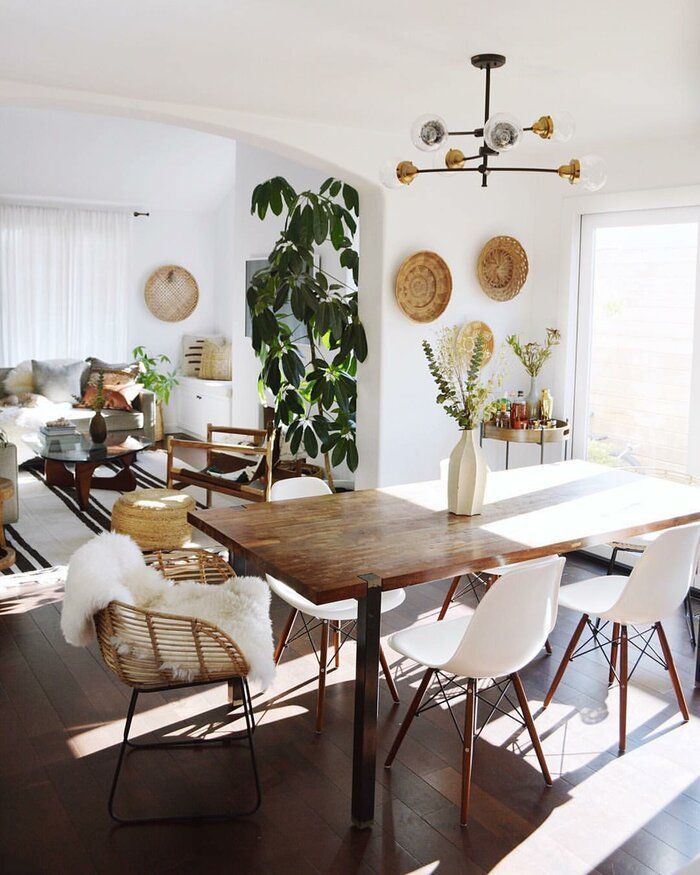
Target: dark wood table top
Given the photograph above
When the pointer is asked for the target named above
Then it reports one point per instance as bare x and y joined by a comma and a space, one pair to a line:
406, 536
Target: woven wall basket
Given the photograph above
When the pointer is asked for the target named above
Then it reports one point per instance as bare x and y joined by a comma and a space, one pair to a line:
423, 286
502, 268
171, 293
468, 334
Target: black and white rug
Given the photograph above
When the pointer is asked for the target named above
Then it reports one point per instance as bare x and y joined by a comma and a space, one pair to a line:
51, 526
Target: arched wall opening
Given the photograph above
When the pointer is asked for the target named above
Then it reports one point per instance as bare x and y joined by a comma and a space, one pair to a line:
264, 149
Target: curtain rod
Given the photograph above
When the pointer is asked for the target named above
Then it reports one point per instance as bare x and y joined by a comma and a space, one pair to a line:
38, 201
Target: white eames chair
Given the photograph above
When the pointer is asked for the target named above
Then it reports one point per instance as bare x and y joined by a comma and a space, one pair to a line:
336, 619
656, 587
505, 632
475, 580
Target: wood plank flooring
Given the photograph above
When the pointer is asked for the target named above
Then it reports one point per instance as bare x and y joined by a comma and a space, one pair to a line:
61, 716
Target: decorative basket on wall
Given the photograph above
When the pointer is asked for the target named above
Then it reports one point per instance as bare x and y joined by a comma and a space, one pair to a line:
171, 293
423, 286
502, 268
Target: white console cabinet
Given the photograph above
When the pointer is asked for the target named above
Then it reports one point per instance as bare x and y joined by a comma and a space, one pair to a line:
200, 402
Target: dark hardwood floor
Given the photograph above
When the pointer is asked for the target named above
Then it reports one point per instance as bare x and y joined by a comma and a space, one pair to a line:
62, 714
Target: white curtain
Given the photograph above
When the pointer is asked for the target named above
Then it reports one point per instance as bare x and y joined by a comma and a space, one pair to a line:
63, 283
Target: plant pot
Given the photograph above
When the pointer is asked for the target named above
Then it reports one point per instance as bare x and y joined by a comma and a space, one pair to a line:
532, 400
98, 428
466, 479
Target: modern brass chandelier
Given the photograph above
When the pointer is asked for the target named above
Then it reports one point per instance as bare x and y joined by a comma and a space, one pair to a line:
500, 133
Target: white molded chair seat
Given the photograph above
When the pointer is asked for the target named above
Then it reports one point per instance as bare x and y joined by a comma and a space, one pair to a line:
594, 596
501, 569
658, 584
421, 644
505, 632
330, 617
342, 611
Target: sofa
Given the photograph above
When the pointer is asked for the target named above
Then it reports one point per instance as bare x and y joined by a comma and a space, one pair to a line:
22, 412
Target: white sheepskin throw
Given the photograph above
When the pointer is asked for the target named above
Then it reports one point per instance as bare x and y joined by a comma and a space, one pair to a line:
110, 567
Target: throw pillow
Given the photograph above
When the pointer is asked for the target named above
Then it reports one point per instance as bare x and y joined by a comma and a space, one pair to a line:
4, 372
216, 361
192, 347
120, 388
58, 380
20, 379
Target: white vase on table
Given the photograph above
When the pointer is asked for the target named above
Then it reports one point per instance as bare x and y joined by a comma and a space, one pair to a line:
466, 478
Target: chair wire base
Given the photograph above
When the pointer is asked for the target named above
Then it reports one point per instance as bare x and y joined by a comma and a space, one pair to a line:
246, 734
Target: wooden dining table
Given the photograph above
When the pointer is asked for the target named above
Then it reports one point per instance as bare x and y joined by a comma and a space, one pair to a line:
358, 544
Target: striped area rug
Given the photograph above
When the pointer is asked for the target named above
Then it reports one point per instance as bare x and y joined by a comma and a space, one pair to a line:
51, 526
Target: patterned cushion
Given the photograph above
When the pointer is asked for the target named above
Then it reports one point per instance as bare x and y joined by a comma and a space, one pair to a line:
192, 348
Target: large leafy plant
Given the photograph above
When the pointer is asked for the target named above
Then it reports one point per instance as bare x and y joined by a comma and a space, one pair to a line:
306, 328
160, 382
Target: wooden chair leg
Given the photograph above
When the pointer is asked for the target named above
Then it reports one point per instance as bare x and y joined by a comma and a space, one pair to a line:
448, 598
323, 665
675, 680
468, 749
623, 688
336, 644
386, 668
613, 652
565, 661
530, 723
410, 714
285, 635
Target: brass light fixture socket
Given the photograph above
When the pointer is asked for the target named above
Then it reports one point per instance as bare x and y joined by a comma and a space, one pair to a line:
454, 159
571, 171
544, 127
406, 172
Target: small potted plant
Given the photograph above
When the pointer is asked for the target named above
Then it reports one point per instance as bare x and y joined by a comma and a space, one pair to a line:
98, 425
161, 383
532, 356
467, 398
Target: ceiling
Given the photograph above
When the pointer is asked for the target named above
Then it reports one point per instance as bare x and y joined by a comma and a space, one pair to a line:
55, 155
625, 69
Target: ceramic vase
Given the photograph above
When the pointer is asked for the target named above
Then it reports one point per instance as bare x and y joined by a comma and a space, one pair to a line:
98, 428
466, 479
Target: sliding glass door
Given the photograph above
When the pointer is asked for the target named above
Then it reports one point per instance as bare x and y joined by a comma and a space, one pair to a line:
637, 391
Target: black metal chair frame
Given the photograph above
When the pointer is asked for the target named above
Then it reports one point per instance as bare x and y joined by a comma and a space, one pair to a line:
246, 735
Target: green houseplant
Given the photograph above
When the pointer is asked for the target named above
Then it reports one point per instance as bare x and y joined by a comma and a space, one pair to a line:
160, 382
295, 303
468, 398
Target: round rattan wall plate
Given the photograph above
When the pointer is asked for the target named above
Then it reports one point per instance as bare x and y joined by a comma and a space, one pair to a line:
171, 293
468, 334
502, 268
423, 286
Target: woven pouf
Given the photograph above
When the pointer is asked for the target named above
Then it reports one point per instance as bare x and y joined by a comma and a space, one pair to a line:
155, 518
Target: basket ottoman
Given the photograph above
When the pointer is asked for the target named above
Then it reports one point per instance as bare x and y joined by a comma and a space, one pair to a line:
155, 518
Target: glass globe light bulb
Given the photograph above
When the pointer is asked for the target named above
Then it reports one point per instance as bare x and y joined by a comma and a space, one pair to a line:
564, 127
502, 132
388, 175
593, 174
429, 132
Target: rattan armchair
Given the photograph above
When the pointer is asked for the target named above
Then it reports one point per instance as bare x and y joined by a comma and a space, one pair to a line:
151, 652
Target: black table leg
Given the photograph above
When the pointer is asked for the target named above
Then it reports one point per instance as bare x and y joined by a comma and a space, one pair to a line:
364, 751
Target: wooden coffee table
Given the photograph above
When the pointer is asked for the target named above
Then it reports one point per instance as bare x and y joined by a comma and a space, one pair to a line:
72, 461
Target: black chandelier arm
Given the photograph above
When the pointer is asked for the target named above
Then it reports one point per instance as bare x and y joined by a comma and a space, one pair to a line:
449, 169
477, 132
523, 169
